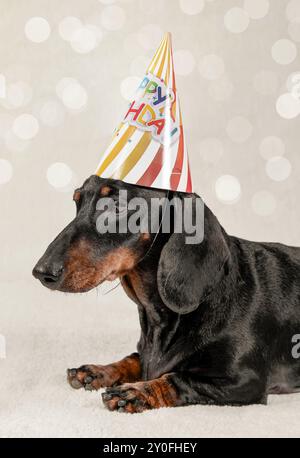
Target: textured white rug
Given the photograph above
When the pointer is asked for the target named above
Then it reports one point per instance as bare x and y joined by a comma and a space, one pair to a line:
47, 332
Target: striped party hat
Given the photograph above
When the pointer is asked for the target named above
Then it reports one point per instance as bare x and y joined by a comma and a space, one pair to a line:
148, 148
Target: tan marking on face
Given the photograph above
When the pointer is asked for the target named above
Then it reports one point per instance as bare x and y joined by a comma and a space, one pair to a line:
83, 273
145, 236
76, 196
105, 191
120, 261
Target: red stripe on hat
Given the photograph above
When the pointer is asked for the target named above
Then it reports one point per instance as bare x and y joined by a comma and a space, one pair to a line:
153, 170
177, 169
189, 187
173, 70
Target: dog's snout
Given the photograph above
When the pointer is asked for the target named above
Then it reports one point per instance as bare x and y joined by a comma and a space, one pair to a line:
49, 276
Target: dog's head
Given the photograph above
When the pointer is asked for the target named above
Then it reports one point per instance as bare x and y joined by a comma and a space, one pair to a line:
82, 256
96, 246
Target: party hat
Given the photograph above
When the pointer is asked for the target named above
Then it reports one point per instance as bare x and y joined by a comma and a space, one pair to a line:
148, 148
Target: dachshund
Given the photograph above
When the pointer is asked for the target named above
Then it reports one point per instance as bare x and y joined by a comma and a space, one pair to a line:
217, 318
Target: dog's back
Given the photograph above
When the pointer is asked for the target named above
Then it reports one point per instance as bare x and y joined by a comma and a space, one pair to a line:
272, 270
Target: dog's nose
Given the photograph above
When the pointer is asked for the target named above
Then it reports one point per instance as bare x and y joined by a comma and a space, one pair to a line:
48, 276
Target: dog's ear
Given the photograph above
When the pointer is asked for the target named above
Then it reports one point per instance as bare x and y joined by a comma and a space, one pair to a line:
187, 273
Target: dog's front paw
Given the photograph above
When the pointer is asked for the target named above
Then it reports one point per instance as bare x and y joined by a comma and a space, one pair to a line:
141, 396
92, 377
129, 398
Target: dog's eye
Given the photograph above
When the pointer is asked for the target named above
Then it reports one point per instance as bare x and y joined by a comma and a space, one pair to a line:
105, 191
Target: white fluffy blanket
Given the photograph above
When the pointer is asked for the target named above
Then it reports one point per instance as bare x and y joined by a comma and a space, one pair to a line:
47, 332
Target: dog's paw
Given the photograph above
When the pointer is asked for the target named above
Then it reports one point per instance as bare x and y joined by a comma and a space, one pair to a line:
129, 398
92, 377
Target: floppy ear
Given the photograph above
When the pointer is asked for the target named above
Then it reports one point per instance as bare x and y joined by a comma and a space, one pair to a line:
187, 273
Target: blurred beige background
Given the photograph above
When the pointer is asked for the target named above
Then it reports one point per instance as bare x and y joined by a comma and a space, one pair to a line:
67, 71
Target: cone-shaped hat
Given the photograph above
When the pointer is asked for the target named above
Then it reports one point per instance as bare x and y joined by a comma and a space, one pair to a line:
148, 148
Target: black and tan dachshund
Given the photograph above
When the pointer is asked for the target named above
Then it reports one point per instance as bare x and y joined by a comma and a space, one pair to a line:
218, 319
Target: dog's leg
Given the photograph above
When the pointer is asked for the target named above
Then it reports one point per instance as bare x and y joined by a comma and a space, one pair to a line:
181, 389
140, 396
92, 377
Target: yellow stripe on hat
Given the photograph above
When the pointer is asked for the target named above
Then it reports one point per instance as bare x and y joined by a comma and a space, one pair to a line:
134, 157
156, 57
163, 60
168, 69
116, 150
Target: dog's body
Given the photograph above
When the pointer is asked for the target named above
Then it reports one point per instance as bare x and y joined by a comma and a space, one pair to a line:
217, 318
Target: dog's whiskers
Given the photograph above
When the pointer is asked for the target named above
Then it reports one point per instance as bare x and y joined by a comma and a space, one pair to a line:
113, 287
